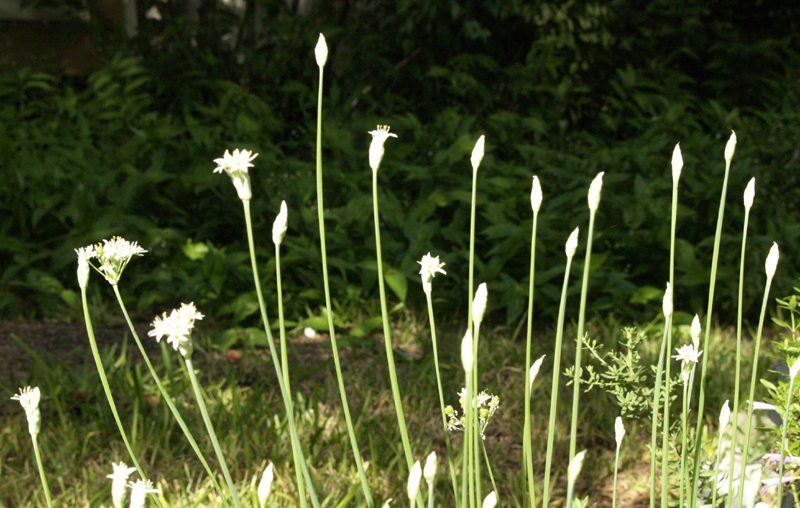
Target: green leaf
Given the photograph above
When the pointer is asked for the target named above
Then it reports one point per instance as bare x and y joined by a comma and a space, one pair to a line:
397, 281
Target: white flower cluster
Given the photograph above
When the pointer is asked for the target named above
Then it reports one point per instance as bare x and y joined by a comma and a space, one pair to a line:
29, 400
119, 481
485, 403
688, 356
429, 267
177, 327
236, 165
113, 256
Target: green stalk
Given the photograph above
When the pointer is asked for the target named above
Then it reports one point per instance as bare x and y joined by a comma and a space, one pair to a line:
334, 346
198, 395
450, 459
735, 422
104, 381
466, 462
719, 455
753, 378
556, 375
167, 397
489, 468
301, 490
783, 440
684, 484
576, 379
41, 470
656, 405
477, 435
712, 284
616, 470
527, 453
473, 207
287, 402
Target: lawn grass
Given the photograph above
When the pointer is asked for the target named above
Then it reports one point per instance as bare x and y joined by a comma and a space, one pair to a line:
79, 438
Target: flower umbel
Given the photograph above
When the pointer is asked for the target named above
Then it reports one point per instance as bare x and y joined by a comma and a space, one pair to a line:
119, 481
177, 327
379, 137
113, 256
687, 355
29, 399
429, 267
139, 491
485, 403
236, 165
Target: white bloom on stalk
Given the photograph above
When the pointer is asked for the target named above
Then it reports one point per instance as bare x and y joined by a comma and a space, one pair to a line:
677, 164
321, 51
414, 478
724, 416
619, 430
575, 466
466, 353
536, 195
696, 332
119, 481
265, 485
594, 192
730, 147
429, 267
84, 255
236, 165
572, 243
749, 193
113, 256
477, 153
535, 370
379, 137
490, 501
386, 504
29, 400
479, 304
772, 260
795, 369
687, 355
139, 491
177, 327
280, 224
429, 471
667, 303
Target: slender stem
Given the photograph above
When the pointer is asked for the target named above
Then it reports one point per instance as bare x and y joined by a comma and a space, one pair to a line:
387, 332
334, 347
198, 395
175, 413
527, 454
683, 483
753, 378
450, 460
616, 470
712, 284
285, 395
41, 470
473, 207
477, 435
783, 441
716, 467
466, 463
576, 380
665, 424
734, 421
104, 381
656, 405
301, 490
489, 468
554, 394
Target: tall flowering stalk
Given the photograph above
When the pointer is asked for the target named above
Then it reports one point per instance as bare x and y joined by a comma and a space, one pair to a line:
236, 166
793, 371
475, 159
593, 199
730, 148
478, 310
667, 309
570, 248
29, 400
429, 473
749, 195
115, 256
467, 489
321, 54
527, 453
619, 433
770, 266
688, 357
574, 469
429, 267
724, 418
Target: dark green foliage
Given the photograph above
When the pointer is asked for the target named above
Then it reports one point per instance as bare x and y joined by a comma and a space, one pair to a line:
561, 90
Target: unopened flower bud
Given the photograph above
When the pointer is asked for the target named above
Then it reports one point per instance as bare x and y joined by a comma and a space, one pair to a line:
379, 137
772, 260
574, 468
619, 430
536, 195
572, 243
429, 471
795, 369
594, 192
413, 480
490, 501
724, 416
696, 332
280, 224
477, 153
83, 271
749, 193
321, 51
730, 147
466, 353
479, 304
677, 164
667, 304
265, 485
535, 370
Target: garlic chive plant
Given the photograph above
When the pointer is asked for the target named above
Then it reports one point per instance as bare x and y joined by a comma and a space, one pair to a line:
321, 55
29, 400
619, 433
574, 469
793, 371
570, 248
667, 309
688, 356
119, 481
724, 418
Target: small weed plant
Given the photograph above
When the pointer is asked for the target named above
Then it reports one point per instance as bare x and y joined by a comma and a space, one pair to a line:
650, 393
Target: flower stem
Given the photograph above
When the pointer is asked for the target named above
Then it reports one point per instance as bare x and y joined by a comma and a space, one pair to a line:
41, 471
526, 432
198, 394
783, 441
684, 484
167, 397
616, 470
450, 460
104, 381
477, 434
656, 405
335, 349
